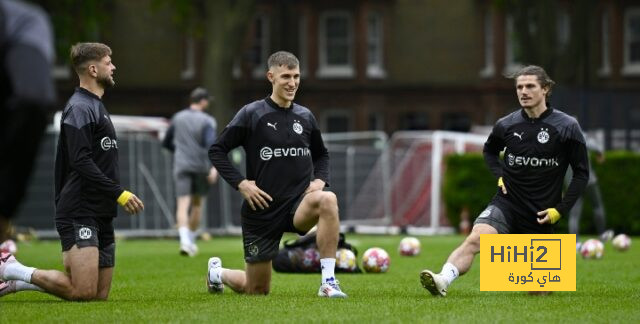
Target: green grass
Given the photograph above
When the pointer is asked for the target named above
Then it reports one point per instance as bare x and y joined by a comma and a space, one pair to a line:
153, 283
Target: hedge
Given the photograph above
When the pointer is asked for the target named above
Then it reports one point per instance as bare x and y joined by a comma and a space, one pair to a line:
468, 183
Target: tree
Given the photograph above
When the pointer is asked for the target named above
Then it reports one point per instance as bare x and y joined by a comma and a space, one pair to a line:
223, 23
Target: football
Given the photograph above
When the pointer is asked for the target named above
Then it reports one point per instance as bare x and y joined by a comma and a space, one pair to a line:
345, 260
311, 259
621, 242
592, 249
375, 260
409, 246
9, 246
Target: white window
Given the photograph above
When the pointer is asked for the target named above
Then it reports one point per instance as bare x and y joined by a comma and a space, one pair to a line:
605, 65
336, 120
189, 64
375, 66
259, 50
336, 39
513, 56
631, 42
489, 69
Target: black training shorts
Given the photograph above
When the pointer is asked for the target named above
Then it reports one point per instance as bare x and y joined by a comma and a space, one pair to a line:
262, 229
89, 231
507, 220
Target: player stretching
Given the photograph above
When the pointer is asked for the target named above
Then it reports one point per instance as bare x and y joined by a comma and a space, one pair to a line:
287, 168
540, 143
86, 190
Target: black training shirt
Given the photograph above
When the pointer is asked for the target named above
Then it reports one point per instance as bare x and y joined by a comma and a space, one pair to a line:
537, 154
284, 148
86, 175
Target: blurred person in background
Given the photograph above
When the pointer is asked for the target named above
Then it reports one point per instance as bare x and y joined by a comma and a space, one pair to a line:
592, 192
27, 96
191, 133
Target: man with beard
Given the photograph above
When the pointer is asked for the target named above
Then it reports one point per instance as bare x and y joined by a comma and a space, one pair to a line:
87, 190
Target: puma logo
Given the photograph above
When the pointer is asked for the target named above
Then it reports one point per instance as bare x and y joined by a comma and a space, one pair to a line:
272, 125
519, 135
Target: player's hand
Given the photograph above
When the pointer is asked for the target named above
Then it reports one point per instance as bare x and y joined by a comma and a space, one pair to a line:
130, 202
254, 195
549, 215
315, 185
502, 186
212, 178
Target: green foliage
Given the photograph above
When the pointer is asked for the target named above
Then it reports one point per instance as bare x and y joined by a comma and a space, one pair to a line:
619, 178
467, 183
76, 21
153, 284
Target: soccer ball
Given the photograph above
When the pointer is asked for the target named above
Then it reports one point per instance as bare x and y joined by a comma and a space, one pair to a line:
409, 246
346, 260
375, 260
592, 249
311, 259
621, 242
9, 246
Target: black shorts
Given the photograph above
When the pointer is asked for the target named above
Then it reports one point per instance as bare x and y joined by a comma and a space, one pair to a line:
262, 229
89, 231
191, 183
507, 220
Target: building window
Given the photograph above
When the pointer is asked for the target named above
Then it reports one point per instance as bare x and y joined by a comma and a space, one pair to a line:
631, 42
336, 35
375, 66
302, 43
259, 51
605, 67
375, 122
563, 25
336, 120
414, 121
489, 69
189, 64
513, 58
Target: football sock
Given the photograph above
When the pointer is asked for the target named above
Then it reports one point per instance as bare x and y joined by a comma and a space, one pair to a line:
22, 286
449, 272
192, 236
216, 275
184, 235
328, 265
17, 271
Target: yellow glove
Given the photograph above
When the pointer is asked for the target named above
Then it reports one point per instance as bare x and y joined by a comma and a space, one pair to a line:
554, 215
124, 197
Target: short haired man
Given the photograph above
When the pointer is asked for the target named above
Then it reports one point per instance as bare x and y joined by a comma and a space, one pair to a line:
191, 133
539, 144
87, 189
286, 170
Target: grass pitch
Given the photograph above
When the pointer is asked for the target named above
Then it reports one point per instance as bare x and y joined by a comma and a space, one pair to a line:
152, 283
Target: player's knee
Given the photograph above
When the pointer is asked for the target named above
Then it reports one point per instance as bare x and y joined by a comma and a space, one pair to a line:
83, 294
258, 290
328, 202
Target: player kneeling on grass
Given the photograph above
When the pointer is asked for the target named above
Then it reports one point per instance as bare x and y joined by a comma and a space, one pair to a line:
287, 168
539, 143
87, 191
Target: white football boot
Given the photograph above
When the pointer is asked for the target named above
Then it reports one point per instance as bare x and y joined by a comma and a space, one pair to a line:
7, 287
188, 250
5, 259
214, 276
331, 289
434, 283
